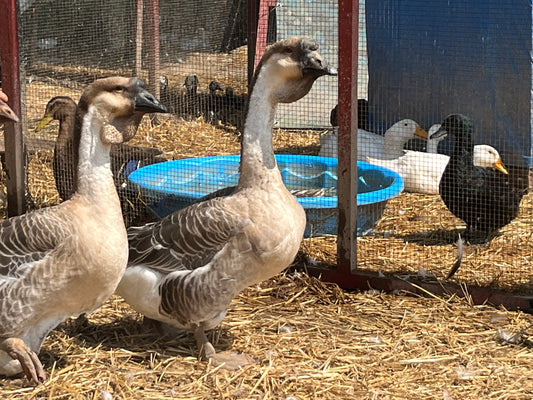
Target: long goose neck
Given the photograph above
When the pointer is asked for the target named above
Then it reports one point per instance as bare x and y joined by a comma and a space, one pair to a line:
94, 172
257, 152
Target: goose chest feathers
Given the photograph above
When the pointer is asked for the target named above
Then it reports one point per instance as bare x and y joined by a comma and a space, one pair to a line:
185, 269
64, 260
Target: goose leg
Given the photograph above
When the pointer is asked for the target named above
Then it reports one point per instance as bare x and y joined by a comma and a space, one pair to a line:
18, 350
229, 361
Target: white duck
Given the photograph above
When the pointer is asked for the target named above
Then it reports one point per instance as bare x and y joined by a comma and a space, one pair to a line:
185, 269
65, 260
387, 146
421, 172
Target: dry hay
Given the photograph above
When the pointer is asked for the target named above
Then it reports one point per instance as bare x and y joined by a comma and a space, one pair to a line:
416, 236
310, 340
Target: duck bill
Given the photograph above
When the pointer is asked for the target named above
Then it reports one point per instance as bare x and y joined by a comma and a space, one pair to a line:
500, 166
421, 133
440, 134
7, 113
146, 102
46, 120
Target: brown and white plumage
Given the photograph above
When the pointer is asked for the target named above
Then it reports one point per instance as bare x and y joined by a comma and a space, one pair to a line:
68, 259
185, 269
63, 109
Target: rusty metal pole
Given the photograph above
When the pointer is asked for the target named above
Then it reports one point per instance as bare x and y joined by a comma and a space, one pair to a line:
139, 38
153, 46
347, 157
13, 138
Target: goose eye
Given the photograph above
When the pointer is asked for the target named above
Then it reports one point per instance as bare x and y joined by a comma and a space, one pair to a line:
118, 89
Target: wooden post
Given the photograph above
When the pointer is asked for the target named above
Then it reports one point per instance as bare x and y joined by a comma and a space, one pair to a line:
139, 39
252, 17
13, 138
153, 46
347, 164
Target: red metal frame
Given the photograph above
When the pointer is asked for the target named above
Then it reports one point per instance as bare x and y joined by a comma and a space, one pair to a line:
13, 138
346, 274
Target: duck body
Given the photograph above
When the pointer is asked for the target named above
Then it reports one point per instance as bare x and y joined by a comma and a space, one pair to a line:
68, 259
422, 172
369, 144
191, 264
482, 197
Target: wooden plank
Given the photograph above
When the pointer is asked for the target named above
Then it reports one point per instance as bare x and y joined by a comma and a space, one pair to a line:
13, 138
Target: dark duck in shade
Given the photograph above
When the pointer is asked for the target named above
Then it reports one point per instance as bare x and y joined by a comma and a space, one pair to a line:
482, 197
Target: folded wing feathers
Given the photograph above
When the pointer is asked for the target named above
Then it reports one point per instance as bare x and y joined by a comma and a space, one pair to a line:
27, 239
204, 230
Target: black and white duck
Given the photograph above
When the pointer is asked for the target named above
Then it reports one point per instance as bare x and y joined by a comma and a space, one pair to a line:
483, 198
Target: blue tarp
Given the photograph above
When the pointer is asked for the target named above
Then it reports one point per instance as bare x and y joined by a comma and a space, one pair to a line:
427, 59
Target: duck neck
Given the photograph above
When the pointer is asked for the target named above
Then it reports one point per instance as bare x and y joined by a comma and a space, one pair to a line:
257, 152
463, 150
94, 173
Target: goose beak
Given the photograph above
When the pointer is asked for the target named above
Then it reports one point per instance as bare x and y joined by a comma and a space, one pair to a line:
318, 69
6, 113
499, 165
146, 102
421, 133
47, 119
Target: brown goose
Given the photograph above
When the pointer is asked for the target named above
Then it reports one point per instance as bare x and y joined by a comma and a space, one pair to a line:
123, 157
185, 269
64, 260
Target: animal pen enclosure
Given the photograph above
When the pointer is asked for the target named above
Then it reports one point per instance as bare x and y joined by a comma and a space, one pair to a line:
471, 58
206, 54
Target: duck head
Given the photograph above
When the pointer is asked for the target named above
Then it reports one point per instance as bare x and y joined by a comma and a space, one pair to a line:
455, 124
58, 108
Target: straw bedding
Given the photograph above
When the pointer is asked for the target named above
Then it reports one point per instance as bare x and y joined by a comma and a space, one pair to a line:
310, 340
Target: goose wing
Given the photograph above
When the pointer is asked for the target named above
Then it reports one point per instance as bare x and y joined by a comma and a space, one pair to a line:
27, 239
187, 239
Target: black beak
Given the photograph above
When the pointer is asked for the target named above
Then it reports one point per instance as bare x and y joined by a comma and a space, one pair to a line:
145, 101
440, 133
317, 66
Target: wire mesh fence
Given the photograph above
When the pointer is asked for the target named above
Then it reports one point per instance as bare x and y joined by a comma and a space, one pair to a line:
413, 72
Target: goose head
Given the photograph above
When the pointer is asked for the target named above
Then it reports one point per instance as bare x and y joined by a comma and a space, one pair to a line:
6, 113
121, 103
487, 156
58, 108
399, 133
292, 65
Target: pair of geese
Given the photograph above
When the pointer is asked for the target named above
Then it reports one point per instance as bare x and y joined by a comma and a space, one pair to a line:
421, 171
183, 270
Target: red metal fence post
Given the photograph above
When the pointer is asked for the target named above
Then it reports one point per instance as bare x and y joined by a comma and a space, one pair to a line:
13, 138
